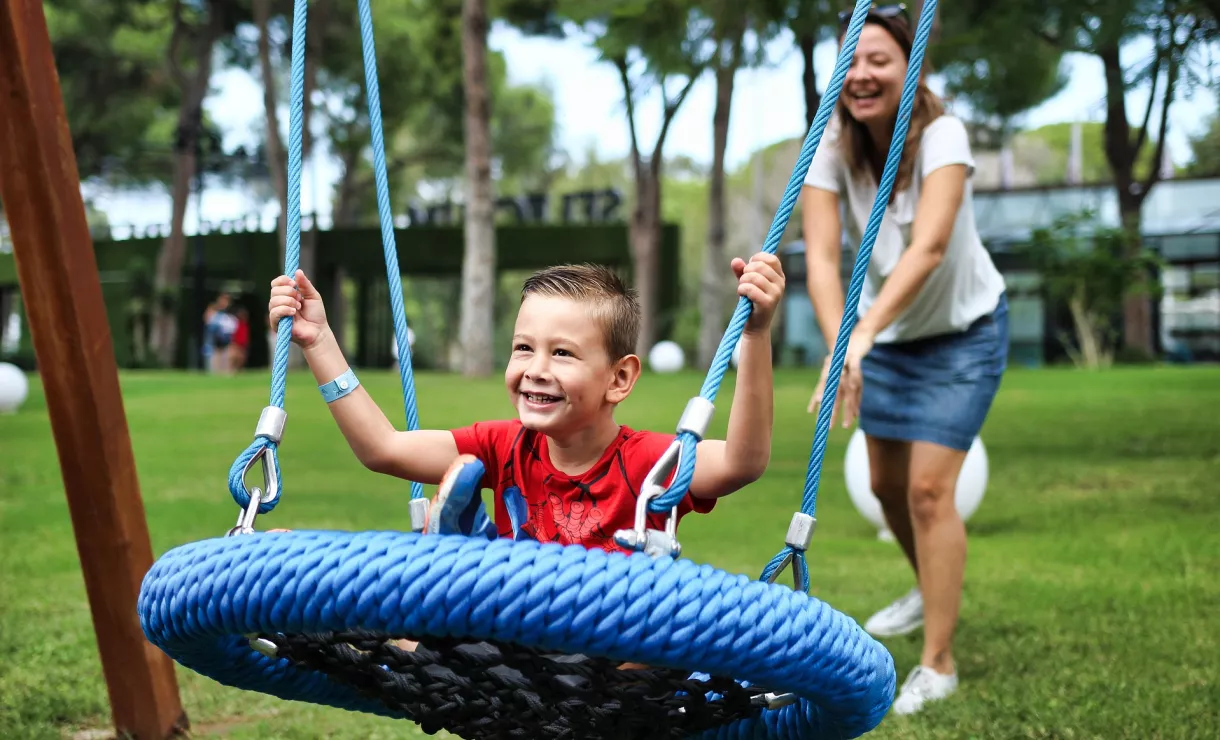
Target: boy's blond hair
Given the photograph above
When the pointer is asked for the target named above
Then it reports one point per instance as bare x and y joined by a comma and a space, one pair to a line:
615, 305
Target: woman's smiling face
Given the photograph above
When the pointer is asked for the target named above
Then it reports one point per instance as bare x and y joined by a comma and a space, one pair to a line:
873, 87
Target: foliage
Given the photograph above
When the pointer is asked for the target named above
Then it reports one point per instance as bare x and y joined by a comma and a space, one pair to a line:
119, 100
419, 61
818, 18
1205, 150
1091, 268
999, 80
1046, 150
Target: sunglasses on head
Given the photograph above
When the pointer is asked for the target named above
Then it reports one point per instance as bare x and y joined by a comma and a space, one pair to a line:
898, 10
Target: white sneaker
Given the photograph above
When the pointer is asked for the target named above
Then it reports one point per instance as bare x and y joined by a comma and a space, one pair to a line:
923, 685
903, 616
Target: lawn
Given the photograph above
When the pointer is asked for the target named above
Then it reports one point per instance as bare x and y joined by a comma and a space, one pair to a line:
1091, 591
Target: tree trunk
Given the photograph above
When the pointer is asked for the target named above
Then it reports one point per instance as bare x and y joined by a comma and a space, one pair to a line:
1122, 154
809, 79
170, 258
1087, 338
644, 233
276, 158
713, 293
1137, 305
644, 230
345, 190
343, 214
479, 259
168, 276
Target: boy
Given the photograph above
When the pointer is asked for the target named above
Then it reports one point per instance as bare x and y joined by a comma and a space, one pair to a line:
562, 471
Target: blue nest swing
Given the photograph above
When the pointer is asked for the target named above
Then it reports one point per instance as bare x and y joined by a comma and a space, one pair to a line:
519, 639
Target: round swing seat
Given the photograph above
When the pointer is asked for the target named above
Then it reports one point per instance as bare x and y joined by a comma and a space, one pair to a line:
515, 639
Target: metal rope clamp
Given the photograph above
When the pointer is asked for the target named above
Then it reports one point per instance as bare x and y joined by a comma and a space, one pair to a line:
798, 539
270, 425
695, 419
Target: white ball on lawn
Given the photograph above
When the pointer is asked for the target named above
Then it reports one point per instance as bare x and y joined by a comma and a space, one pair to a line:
14, 388
971, 481
666, 357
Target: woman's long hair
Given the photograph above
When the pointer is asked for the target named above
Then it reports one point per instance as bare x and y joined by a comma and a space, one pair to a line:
863, 156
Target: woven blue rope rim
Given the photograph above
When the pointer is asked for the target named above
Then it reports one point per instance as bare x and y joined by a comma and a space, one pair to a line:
200, 599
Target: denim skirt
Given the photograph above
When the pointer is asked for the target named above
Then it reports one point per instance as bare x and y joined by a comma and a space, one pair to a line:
936, 389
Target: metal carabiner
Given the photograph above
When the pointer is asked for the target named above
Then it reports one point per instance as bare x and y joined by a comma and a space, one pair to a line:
245, 520
258, 496
641, 538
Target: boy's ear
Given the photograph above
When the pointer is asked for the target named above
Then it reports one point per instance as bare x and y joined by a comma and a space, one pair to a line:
626, 372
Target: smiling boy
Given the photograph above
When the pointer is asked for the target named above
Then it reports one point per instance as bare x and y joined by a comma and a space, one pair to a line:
563, 470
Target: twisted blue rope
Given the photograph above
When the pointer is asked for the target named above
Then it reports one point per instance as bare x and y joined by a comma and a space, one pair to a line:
198, 601
292, 252
292, 257
779, 223
389, 247
848, 323
720, 363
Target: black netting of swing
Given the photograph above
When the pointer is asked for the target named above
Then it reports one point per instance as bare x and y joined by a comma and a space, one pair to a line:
495, 690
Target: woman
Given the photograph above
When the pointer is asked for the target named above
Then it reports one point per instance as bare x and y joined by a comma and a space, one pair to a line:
931, 342
219, 325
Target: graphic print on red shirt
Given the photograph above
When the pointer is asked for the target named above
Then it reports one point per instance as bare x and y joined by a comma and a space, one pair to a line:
585, 509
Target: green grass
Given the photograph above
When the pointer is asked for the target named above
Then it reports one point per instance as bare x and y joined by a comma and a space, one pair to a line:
1092, 589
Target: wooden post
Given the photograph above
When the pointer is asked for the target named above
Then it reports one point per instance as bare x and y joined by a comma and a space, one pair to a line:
40, 188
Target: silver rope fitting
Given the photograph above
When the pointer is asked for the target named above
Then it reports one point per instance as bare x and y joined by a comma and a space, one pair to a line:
642, 538
800, 531
418, 509
697, 417
271, 424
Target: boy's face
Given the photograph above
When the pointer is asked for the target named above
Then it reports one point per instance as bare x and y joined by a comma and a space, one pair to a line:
559, 376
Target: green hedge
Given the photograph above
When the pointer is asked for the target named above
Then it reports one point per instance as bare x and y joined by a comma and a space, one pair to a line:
245, 262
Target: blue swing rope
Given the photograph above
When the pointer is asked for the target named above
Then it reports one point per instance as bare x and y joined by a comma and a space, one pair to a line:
388, 245
263, 445
720, 364
813, 477
201, 601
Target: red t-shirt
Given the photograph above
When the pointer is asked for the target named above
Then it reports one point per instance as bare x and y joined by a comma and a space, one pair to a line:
586, 509
241, 336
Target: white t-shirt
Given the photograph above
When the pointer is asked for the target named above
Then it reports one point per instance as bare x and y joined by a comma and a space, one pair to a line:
966, 284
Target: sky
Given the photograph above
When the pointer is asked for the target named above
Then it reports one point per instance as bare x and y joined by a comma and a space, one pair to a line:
768, 106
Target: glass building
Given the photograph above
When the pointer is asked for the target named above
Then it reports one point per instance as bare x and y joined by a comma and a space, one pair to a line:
1181, 223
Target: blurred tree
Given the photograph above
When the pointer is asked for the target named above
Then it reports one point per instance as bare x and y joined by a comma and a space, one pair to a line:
1000, 81
196, 28
740, 31
1090, 268
654, 45
479, 257
812, 22
1177, 32
1205, 150
118, 97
